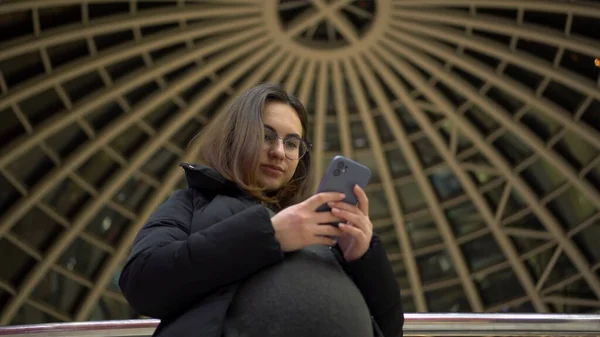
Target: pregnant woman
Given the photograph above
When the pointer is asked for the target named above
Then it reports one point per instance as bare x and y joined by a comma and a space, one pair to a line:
243, 252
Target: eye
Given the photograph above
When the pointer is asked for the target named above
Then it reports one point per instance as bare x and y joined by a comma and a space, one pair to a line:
269, 135
292, 143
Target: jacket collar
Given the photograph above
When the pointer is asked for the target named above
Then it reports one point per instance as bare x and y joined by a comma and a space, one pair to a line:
205, 178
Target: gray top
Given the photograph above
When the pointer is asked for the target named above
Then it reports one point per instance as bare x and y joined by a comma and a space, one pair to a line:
307, 294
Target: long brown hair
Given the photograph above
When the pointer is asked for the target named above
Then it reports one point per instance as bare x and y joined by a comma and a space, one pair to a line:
231, 144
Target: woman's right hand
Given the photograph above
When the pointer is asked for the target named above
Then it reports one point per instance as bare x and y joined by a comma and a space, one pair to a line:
301, 225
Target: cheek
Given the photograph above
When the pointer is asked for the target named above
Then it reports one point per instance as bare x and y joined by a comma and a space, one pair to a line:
292, 166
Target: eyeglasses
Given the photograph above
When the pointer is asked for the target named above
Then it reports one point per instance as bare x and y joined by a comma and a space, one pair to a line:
294, 147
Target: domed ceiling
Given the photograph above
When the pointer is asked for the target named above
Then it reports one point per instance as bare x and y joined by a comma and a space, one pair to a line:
480, 120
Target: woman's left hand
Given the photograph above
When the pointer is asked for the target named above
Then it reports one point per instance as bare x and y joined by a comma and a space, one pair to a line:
358, 229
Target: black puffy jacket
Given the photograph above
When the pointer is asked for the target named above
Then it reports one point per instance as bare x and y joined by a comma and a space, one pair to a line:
188, 259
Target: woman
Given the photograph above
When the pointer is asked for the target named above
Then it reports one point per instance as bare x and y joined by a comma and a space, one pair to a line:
241, 253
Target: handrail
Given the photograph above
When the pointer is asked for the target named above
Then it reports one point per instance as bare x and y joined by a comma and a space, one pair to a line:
416, 324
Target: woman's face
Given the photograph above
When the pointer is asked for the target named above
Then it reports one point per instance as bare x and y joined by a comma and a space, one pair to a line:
275, 169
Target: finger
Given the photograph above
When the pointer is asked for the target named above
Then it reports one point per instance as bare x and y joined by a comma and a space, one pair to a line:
322, 198
324, 217
351, 230
323, 240
347, 216
345, 207
363, 200
327, 230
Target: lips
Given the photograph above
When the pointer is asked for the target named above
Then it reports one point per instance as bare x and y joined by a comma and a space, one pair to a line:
272, 169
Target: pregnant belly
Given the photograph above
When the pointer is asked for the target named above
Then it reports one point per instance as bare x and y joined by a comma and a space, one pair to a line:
308, 294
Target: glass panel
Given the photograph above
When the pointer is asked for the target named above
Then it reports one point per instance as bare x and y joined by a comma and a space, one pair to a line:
464, 219
67, 198
37, 229
4, 298
114, 310
499, 287
401, 275
21, 68
378, 206
423, 232
359, 136
59, 291
332, 137
41, 106
31, 167
83, 86
408, 304
512, 206
512, 148
368, 159
108, 225
384, 132
8, 194
62, 54
160, 162
410, 197
30, 315
587, 240
435, 266
123, 68
10, 128
396, 163
185, 134
140, 93
571, 207
564, 96
446, 300
67, 140
445, 184
427, 152
129, 141
83, 258
407, 120
481, 120
133, 194
591, 116
562, 270
104, 115
482, 252
15, 262
97, 169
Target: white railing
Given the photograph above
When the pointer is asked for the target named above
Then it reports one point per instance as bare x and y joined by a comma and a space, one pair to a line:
416, 324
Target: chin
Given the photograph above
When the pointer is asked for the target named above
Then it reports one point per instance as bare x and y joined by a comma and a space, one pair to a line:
271, 185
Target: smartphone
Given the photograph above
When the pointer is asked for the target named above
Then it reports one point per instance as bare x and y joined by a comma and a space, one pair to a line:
341, 176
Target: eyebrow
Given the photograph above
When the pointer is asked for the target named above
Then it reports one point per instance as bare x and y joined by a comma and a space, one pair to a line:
288, 135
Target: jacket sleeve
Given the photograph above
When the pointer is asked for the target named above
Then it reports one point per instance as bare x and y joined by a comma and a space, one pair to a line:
375, 279
169, 269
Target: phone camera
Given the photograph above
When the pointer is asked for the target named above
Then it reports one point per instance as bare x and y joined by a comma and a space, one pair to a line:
336, 172
341, 165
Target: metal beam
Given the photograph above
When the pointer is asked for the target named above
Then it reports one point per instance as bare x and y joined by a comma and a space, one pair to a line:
422, 180
132, 81
138, 160
410, 264
478, 201
549, 221
517, 89
117, 23
121, 124
160, 194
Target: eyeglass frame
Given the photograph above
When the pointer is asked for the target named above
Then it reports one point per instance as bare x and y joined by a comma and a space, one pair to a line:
277, 137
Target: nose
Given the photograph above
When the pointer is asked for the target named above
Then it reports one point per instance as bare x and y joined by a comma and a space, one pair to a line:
277, 150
